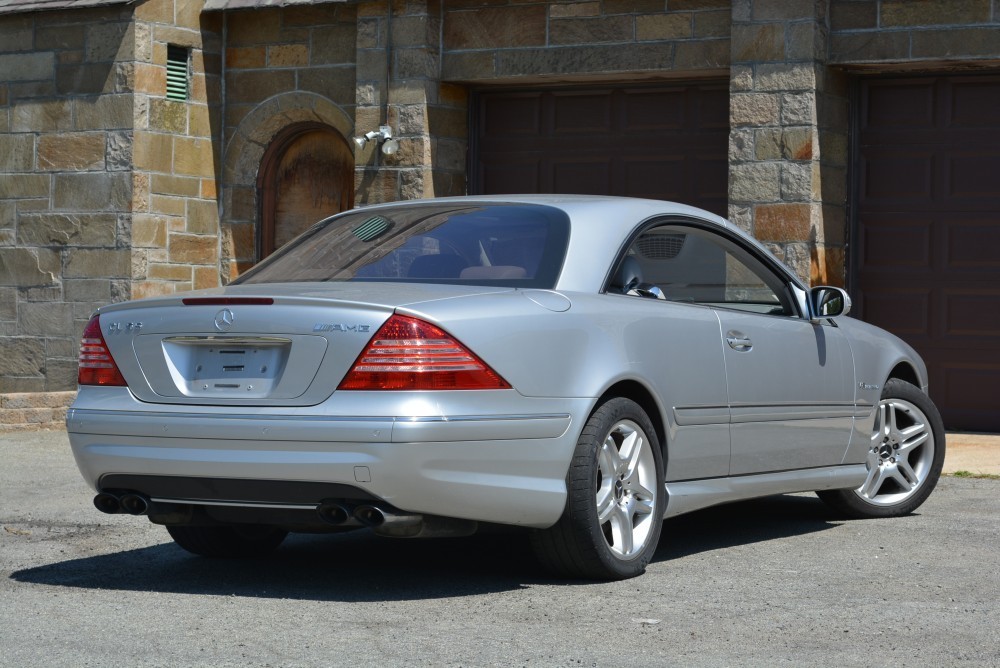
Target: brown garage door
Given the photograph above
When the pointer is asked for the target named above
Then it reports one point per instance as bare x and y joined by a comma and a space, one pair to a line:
928, 251
662, 142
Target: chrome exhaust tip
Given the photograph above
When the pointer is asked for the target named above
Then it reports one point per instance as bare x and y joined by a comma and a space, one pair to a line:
134, 504
107, 503
333, 513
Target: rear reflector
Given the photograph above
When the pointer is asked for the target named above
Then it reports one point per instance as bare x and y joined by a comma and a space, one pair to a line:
97, 366
410, 354
227, 301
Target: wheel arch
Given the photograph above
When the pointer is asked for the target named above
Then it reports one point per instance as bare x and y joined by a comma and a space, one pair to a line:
906, 372
640, 394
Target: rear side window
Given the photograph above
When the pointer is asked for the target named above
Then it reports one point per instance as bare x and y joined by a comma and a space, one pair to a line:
514, 245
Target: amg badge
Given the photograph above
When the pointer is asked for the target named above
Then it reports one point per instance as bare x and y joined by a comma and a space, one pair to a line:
339, 327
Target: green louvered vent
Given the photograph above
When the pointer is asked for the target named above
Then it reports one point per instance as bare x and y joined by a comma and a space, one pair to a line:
177, 72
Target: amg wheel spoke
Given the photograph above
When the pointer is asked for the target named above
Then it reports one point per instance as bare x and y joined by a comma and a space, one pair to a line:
630, 451
876, 476
609, 460
643, 505
621, 530
911, 437
906, 475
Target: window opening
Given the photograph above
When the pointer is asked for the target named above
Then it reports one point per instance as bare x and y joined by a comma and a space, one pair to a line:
178, 72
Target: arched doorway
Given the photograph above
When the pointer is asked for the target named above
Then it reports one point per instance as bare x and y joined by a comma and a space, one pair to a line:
306, 174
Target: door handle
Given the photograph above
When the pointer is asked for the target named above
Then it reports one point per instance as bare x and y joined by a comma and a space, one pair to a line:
739, 341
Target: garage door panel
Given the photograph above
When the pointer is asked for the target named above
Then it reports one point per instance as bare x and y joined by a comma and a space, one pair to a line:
591, 176
971, 314
927, 259
892, 242
904, 312
658, 141
973, 244
974, 103
510, 178
575, 114
900, 106
894, 174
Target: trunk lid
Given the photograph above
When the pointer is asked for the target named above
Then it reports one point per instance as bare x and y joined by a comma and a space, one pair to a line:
263, 345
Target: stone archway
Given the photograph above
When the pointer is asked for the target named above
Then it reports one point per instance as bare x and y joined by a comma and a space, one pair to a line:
244, 157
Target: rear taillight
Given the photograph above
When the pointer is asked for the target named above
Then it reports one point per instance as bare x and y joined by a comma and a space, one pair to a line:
97, 366
410, 354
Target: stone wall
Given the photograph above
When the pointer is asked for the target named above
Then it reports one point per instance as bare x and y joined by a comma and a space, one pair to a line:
514, 40
66, 124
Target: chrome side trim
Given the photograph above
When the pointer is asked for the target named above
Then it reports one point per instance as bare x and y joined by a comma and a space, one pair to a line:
699, 415
687, 496
789, 412
86, 413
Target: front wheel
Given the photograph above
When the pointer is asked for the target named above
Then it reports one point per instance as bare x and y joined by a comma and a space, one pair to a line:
248, 540
615, 495
905, 457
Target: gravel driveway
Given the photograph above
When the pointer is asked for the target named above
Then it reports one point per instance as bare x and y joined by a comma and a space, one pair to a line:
764, 583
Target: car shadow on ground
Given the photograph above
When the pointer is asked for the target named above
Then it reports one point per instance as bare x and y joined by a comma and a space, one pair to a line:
362, 567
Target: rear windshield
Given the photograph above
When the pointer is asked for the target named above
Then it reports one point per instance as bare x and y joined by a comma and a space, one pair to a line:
519, 245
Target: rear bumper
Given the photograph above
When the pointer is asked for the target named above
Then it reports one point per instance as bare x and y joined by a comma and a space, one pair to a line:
506, 467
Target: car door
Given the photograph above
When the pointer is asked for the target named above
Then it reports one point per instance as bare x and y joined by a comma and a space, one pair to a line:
790, 382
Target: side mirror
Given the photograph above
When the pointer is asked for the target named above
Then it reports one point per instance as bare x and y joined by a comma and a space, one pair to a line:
828, 302
648, 290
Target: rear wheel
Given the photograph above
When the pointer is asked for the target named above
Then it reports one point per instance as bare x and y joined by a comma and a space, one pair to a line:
615, 494
905, 457
249, 540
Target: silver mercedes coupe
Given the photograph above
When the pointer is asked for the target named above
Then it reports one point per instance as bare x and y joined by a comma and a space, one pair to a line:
583, 367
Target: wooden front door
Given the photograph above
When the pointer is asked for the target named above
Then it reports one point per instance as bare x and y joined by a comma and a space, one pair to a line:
307, 174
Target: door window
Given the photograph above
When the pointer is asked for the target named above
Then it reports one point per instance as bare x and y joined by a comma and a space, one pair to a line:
693, 265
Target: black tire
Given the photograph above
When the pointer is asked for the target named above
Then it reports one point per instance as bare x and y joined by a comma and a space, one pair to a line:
229, 541
580, 544
904, 458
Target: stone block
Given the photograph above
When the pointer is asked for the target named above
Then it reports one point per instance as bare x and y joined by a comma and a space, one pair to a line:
16, 34
806, 41
97, 263
17, 152
678, 5
22, 356
741, 78
39, 65
574, 9
45, 319
603, 29
788, 10
202, 216
783, 222
473, 66
586, 60
827, 265
448, 122
22, 92
798, 108
193, 248
497, 28
246, 57
50, 116
206, 277
701, 54
758, 42
60, 375
194, 157
311, 15
754, 109
169, 272
853, 15
101, 191
14, 186
71, 151
87, 290
8, 304
199, 120
412, 31
170, 206
252, 86
785, 77
119, 151
209, 189
85, 78
798, 180
107, 112
153, 151
755, 182
19, 384
741, 145
287, 55
415, 64
109, 41
925, 13
335, 83
149, 231
156, 12
663, 26
168, 116
67, 229
868, 47
180, 186
261, 26
957, 43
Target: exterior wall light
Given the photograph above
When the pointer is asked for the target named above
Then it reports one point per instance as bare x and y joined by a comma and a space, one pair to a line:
383, 135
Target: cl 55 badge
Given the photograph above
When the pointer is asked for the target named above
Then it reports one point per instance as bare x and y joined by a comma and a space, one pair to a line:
119, 327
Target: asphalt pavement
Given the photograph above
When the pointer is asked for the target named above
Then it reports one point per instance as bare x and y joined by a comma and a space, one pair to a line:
777, 581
